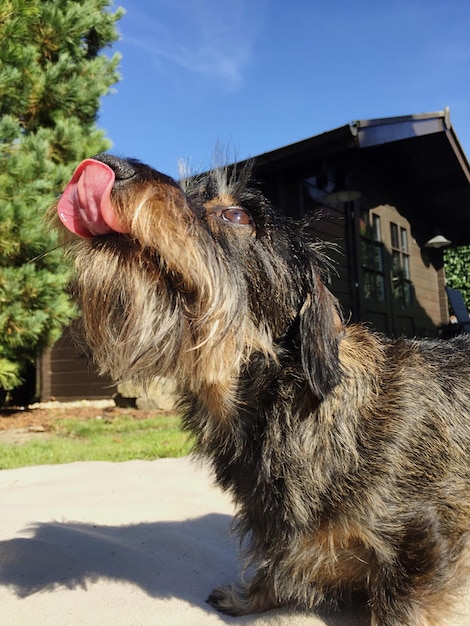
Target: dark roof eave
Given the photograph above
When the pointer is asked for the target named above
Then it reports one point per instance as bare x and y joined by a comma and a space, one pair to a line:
386, 130
326, 144
363, 134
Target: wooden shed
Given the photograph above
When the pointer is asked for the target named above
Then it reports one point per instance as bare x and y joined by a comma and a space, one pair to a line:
381, 190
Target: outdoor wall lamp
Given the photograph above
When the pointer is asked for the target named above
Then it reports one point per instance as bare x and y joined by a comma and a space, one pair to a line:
439, 241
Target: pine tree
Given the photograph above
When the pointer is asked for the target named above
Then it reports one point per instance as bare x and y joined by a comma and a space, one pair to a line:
52, 76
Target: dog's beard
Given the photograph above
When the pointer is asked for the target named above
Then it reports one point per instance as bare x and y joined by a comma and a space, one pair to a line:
141, 320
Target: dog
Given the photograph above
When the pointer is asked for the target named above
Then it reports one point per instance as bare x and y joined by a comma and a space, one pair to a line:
346, 453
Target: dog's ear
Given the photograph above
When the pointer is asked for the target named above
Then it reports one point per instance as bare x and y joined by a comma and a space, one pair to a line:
321, 329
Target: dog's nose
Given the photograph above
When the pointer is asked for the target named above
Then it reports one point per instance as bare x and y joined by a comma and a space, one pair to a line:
123, 168
132, 171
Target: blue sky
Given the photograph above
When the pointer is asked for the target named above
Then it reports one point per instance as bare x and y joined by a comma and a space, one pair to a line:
256, 75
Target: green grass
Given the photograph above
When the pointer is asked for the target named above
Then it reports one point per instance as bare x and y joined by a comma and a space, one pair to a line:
119, 439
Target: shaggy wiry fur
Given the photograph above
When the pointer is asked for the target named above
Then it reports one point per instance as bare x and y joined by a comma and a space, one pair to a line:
346, 453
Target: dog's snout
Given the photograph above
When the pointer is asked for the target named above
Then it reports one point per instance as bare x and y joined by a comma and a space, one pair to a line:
123, 168
127, 169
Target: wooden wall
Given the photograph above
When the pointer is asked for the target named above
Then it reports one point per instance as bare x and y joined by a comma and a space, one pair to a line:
65, 376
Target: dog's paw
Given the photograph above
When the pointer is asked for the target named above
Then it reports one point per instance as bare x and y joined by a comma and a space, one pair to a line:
228, 600
243, 599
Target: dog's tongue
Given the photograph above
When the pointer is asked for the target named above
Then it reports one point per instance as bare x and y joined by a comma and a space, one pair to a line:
85, 206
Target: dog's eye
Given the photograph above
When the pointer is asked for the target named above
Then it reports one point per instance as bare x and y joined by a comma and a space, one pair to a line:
236, 215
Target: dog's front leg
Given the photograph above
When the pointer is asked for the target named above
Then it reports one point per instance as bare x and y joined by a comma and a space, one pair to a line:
253, 596
392, 605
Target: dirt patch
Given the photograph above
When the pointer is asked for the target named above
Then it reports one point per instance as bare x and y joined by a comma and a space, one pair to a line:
20, 425
19, 436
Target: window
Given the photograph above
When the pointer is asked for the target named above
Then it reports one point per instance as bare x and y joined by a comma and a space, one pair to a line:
372, 257
401, 280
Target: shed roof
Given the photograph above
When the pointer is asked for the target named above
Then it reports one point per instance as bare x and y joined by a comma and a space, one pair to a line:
417, 159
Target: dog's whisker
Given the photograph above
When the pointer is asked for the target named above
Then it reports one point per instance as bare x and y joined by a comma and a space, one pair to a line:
46, 253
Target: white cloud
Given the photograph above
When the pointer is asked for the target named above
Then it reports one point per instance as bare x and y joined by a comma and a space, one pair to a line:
208, 37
